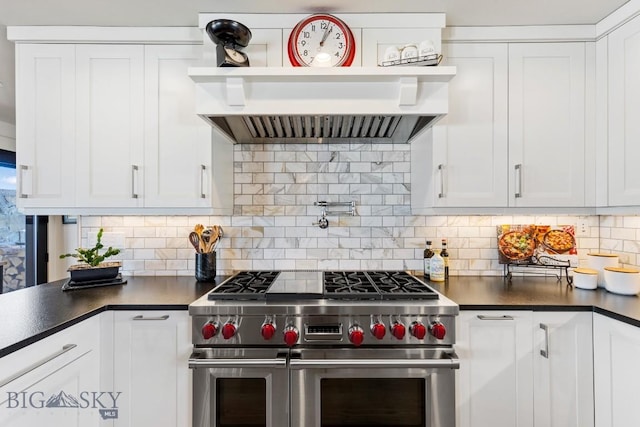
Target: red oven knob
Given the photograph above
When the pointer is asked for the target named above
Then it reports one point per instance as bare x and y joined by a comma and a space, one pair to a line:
228, 330
418, 330
268, 330
398, 330
438, 330
291, 336
378, 330
209, 330
356, 335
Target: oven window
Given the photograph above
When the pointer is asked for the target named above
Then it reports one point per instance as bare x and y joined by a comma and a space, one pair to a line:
380, 402
241, 402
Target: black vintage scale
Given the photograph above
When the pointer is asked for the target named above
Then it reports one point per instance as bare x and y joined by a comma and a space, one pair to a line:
230, 37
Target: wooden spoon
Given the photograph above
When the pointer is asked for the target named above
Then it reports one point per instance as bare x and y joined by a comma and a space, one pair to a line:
214, 238
194, 239
217, 241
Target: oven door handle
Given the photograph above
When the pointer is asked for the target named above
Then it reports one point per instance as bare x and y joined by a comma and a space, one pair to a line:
195, 363
447, 363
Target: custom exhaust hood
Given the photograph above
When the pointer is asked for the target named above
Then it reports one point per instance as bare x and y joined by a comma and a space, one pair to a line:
316, 105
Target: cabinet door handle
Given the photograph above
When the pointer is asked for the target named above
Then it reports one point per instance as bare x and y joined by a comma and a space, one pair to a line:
65, 348
21, 170
441, 173
203, 174
134, 175
518, 170
141, 317
505, 317
545, 351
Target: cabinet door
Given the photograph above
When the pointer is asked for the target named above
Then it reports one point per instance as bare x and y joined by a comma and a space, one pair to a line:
177, 142
617, 374
624, 110
52, 381
110, 130
151, 353
470, 142
563, 375
45, 120
494, 385
546, 124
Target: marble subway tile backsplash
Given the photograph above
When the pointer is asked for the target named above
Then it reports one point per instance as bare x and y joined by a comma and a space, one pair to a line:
272, 226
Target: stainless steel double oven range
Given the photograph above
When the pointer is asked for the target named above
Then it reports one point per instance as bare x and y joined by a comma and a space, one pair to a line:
323, 349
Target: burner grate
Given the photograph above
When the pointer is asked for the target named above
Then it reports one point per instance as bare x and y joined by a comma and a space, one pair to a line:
349, 285
375, 285
245, 285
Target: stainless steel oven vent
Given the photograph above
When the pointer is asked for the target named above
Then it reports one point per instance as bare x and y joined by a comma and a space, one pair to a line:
321, 128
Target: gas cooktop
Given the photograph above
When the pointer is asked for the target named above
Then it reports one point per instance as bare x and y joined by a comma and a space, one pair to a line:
338, 285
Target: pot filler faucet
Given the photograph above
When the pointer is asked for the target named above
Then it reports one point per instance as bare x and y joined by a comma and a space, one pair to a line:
323, 222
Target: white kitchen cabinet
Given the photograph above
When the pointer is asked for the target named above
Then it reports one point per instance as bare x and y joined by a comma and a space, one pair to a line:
178, 146
617, 373
45, 126
563, 375
505, 380
547, 124
494, 386
151, 352
110, 127
624, 110
468, 165
61, 371
515, 132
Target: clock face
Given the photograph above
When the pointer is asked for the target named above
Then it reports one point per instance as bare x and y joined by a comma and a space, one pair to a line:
321, 34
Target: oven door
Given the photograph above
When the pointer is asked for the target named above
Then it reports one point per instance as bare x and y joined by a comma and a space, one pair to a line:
240, 387
373, 387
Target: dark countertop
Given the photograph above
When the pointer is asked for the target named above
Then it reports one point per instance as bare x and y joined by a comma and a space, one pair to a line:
537, 294
31, 314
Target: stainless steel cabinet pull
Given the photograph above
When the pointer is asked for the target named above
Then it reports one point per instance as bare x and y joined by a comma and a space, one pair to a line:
545, 352
134, 174
237, 363
21, 194
451, 363
141, 317
65, 348
518, 168
203, 169
441, 172
505, 317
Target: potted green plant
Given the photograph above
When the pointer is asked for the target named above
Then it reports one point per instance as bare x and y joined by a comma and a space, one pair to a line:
92, 265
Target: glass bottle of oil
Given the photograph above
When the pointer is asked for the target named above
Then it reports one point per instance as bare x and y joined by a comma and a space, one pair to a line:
428, 253
436, 274
445, 256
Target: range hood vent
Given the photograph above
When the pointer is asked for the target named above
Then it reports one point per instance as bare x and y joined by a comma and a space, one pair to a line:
310, 105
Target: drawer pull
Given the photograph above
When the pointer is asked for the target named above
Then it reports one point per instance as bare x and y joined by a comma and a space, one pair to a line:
141, 317
505, 317
545, 351
65, 348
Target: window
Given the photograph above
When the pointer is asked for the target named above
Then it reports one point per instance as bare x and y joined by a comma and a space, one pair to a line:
12, 227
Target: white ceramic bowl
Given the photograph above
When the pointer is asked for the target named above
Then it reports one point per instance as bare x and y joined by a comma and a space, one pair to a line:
625, 281
598, 261
585, 278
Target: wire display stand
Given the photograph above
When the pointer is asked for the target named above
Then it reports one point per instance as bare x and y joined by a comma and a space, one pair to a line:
533, 266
